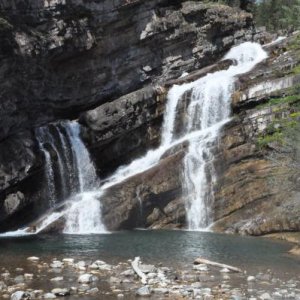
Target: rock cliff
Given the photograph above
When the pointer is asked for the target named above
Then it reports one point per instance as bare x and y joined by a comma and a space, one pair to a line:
256, 159
114, 58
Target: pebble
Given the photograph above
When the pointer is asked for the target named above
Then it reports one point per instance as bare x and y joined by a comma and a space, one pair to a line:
5, 276
61, 292
37, 293
56, 264
265, 296
2, 286
93, 291
55, 279
49, 296
19, 269
33, 258
143, 292
130, 272
20, 295
69, 261
201, 267
224, 270
28, 276
115, 280
250, 278
83, 288
19, 279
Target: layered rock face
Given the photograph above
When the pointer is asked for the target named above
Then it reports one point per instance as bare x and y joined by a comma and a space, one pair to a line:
258, 186
256, 161
60, 58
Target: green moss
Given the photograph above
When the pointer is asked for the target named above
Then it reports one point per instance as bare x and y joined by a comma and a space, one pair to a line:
279, 131
296, 70
266, 139
295, 115
294, 44
276, 101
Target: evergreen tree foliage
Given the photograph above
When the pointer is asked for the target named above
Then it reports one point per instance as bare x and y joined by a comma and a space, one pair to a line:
278, 14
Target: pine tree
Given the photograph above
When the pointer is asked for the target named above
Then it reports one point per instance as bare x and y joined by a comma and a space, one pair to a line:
278, 14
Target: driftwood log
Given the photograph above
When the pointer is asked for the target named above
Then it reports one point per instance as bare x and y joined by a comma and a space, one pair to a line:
200, 260
138, 271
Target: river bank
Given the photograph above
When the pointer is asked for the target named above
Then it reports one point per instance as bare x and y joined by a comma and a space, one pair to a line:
100, 266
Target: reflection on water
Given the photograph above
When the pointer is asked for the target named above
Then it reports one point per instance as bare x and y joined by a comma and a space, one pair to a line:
170, 247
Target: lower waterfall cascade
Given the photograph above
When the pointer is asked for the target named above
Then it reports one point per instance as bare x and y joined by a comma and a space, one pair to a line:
208, 110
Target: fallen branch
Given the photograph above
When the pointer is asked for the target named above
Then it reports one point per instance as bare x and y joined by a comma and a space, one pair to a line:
216, 264
138, 271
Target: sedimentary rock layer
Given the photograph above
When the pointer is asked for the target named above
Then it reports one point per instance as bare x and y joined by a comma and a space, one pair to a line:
60, 58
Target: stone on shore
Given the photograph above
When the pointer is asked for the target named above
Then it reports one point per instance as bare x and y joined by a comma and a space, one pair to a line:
143, 292
49, 296
61, 292
85, 278
56, 264
20, 295
33, 258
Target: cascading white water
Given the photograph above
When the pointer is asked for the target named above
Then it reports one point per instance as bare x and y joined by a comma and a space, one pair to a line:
42, 135
208, 111
85, 168
84, 214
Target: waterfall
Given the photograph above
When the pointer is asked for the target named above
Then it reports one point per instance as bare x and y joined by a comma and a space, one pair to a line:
84, 214
46, 143
76, 175
208, 109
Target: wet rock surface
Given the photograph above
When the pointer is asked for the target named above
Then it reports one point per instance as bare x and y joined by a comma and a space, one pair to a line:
60, 59
256, 156
257, 190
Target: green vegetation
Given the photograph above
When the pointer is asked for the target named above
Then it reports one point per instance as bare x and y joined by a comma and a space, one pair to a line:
279, 132
283, 100
264, 140
296, 70
294, 44
274, 14
284, 129
278, 14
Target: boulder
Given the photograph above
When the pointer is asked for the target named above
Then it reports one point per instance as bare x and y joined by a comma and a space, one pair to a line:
85, 278
20, 295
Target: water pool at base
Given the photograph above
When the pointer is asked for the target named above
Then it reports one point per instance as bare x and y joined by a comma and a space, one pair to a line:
172, 248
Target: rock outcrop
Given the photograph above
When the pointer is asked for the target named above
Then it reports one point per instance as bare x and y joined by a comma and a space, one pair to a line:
258, 187
257, 160
60, 58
